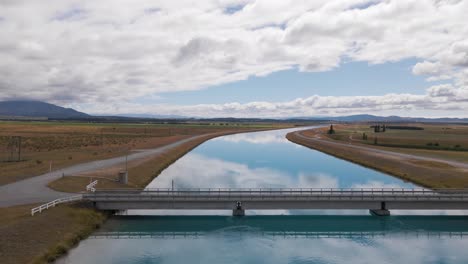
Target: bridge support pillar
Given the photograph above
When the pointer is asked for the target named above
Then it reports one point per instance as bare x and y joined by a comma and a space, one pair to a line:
380, 212
238, 210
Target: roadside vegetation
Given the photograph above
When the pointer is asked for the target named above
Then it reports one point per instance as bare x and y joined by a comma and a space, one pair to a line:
140, 172
413, 136
429, 173
46, 236
33, 148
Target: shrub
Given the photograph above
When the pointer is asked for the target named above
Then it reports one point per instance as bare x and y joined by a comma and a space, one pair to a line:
38, 162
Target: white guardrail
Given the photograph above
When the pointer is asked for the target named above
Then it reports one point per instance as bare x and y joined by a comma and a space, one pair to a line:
92, 186
55, 202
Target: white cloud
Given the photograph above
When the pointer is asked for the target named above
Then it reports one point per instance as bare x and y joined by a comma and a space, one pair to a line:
442, 98
110, 52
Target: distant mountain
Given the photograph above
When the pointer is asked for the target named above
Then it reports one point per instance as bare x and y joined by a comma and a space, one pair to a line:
154, 116
373, 118
38, 109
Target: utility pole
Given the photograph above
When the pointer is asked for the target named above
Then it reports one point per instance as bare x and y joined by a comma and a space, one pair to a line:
19, 148
15, 148
102, 139
11, 145
126, 163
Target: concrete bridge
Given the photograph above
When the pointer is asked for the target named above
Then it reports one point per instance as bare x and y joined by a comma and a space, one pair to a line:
378, 201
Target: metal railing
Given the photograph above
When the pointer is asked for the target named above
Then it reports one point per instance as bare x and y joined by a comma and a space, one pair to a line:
280, 193
290, 190
54, 203
92, 186
283, 234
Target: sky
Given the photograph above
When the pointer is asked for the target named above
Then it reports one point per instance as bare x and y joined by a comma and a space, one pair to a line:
238, 58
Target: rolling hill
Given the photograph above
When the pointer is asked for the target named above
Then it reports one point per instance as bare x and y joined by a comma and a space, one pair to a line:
37, 109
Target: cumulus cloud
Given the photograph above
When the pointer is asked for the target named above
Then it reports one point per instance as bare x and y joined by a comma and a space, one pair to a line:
109, 52
443, 98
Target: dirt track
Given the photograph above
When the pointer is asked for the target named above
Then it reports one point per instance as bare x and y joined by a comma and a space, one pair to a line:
382, 152
421, 170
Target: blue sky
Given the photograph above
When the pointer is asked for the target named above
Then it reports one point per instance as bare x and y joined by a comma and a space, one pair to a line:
350, 79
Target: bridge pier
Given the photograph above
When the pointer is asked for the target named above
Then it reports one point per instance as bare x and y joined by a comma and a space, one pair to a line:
380, 212
238, 211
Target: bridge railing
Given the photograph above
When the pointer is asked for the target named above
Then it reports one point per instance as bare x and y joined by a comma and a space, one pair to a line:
92, 186
283, 234
272, 193
289, 190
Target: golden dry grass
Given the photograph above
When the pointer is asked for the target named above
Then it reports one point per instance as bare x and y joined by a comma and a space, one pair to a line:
450, 140
66, 144
432, 164
45, 236
428, 174
140, 174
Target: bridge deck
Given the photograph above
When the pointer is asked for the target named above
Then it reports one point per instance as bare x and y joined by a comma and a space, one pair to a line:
380, 199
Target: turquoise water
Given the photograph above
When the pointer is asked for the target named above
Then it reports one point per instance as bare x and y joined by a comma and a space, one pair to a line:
267, 159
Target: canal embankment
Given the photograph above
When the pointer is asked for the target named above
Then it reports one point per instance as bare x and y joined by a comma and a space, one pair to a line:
419, 170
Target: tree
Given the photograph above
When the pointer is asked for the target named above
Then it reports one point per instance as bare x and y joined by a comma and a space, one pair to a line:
375, 141
364, 136
384, 128
331, 130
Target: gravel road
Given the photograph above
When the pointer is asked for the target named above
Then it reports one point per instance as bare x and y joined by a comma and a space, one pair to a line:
35, 190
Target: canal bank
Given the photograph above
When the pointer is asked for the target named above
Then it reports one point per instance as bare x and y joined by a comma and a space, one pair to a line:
428, 172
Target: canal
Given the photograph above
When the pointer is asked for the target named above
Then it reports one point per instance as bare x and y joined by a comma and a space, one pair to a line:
268, 160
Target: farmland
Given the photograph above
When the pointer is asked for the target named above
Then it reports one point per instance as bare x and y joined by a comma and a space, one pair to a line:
43, 146
404, 153
431, 140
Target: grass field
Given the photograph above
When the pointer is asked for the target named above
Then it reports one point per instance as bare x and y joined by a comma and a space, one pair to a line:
434, 140
428, 173
46, 236
61, 144
140, 173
